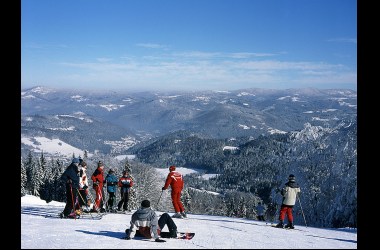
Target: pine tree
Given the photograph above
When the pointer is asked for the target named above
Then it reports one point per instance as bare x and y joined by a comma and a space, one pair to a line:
29, 166
23, 179
186, 199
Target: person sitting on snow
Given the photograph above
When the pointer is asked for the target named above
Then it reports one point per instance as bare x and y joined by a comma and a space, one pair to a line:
149, 226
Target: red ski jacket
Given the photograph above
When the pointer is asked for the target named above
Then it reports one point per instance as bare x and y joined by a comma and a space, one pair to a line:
175, 180
98, 177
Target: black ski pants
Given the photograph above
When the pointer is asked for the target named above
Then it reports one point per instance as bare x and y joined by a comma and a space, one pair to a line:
124, 199
165, 219
71, 197
111, 199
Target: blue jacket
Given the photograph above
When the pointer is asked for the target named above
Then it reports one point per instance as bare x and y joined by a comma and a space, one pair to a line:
111, 180
72, 173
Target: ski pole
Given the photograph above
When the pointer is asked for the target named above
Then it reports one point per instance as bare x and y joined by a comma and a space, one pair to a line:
72, 200
159, 198
85, 202
302, 210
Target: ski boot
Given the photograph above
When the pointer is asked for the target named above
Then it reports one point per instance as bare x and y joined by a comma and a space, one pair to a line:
177, 215
280, 224
290, 225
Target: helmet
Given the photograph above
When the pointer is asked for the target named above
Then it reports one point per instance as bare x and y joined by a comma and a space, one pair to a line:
75, 160
172, 168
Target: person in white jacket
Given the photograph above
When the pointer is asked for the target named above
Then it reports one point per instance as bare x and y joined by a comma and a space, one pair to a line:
83, 198
289, 193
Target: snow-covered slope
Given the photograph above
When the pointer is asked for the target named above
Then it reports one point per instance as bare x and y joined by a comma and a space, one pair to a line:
212, 232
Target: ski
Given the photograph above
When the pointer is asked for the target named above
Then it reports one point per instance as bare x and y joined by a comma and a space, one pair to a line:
166, 235
120, 212
180, 235
286, 228
78, 217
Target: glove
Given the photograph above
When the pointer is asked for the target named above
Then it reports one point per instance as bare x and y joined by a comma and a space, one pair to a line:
159, 240
96, 183
85, 187
163, 188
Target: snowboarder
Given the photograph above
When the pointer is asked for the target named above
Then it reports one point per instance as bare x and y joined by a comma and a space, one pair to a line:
149, 226
71, 178
98, 181
175, 180
111, 180
289, 193
125, 183
260, 212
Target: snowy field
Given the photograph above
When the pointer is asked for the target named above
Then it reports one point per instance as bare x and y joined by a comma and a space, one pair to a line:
211, 232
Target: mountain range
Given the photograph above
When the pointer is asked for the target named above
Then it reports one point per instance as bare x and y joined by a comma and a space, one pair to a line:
114, 121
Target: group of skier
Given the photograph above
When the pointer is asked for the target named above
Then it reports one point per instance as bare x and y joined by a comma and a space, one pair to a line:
145, 219
78, 197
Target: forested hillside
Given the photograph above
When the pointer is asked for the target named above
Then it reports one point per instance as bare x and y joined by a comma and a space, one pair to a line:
323, 159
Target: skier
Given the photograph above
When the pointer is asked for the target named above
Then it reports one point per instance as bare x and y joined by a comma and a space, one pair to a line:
83, 187
125, 183
111, 180
260, 212
149, 226
175, 180
71, 178
289, 193
98, 181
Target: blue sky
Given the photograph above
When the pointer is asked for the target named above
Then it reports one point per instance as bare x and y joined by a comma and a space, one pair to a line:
189, 44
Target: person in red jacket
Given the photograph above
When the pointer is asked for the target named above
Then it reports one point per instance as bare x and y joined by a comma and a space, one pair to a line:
175, 181
98, 181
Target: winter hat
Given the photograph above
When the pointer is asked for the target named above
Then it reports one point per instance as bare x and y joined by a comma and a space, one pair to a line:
145, 203
75, 160
172, 168
100, 163
292, 178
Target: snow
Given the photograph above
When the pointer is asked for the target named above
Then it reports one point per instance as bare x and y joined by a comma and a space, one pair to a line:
51, 146
184, 171
212, 232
